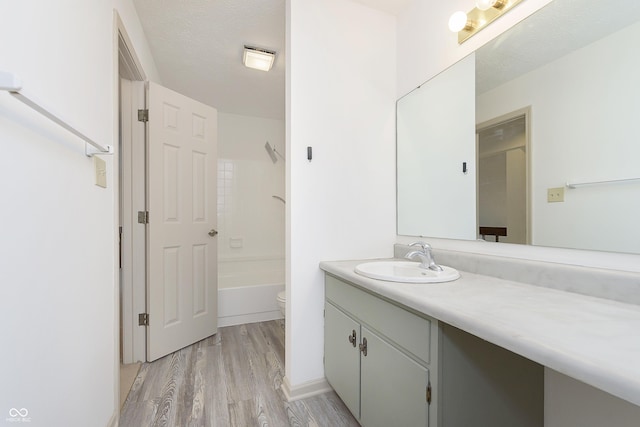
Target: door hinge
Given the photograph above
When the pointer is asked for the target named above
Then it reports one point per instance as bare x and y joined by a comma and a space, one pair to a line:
143, 116
143, 319
429, 393
143, 217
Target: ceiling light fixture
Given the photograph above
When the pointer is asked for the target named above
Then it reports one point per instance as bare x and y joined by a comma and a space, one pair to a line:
485, 12
259, 59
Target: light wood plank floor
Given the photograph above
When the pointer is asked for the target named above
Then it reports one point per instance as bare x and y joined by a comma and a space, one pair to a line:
230, 379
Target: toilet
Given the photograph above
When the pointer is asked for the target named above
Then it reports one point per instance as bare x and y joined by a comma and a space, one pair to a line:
282, 302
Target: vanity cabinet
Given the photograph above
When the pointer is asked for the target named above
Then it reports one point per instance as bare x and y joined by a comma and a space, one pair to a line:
396, 367
378, 357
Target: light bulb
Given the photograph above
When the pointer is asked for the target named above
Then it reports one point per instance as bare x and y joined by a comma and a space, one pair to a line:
458, 21
485, 4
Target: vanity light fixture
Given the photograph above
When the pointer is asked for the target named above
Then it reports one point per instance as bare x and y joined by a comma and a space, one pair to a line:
259, 59
485, 12
488, 4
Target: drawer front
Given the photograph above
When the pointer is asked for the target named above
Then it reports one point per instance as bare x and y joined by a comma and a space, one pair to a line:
407, 330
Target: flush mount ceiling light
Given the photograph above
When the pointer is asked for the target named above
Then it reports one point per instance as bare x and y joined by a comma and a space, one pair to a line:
259, 59
485, 12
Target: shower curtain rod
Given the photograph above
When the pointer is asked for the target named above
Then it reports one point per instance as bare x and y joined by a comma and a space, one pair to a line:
10, 83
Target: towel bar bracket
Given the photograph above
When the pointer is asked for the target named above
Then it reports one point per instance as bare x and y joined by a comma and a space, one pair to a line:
12, 84
90, 150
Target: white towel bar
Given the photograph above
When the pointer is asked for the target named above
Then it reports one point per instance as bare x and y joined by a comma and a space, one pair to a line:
11, 84
610, 181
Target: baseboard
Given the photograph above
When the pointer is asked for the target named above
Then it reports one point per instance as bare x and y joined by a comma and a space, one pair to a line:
113, 422
304, 390
248, 304
242, 319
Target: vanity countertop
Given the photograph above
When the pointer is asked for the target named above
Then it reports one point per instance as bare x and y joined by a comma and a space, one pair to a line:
594, 340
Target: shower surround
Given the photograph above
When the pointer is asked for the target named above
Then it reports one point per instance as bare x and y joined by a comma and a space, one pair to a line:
251, 215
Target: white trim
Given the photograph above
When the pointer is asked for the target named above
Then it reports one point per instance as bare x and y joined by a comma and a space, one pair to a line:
304, 390
119, 33
130, 57
133, 287
133, 237
113, 421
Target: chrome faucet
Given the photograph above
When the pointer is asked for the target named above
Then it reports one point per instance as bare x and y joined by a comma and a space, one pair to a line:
426, 257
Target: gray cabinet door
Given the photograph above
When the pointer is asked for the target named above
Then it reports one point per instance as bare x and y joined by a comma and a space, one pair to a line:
393, 386
341, 358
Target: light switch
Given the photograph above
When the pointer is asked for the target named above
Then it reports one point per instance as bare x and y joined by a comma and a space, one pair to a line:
555, 195
100, 167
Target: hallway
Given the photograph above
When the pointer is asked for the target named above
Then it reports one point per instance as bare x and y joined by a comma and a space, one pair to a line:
230, 379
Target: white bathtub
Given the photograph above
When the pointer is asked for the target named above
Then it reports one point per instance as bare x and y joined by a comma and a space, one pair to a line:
247, 290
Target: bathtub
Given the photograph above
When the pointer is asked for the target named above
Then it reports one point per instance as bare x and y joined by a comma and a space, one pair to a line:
247, 289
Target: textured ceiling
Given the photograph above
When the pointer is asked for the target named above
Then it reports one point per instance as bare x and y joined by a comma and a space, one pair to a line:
557, 29
197, 46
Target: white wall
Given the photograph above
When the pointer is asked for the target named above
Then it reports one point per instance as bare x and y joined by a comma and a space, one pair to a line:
597, 86
58, 293
340, 101
247, 181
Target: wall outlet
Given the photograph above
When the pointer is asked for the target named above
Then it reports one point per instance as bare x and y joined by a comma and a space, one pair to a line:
555, 195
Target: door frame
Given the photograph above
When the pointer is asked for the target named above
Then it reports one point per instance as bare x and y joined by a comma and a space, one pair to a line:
526, 112
131, 281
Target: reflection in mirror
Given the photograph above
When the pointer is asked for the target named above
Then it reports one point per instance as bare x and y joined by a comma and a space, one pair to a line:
435, 124
502, 179
575, 65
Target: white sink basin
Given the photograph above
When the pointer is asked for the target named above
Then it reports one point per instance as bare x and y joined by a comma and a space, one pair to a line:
405, 271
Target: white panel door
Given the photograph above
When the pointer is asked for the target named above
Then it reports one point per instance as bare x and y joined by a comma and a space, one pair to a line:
182, 247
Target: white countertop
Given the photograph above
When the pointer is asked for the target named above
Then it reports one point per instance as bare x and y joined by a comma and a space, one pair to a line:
594, 340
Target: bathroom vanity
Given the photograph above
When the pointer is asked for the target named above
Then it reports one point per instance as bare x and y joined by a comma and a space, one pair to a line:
392, 365
378, 356
469, 352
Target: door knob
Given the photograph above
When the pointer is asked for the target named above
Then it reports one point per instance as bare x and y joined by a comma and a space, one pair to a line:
212, 232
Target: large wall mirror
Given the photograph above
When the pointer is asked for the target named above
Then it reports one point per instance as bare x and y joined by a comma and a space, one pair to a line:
551, 154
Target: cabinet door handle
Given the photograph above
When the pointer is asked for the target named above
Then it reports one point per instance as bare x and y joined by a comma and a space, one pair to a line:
363, 347
352, 338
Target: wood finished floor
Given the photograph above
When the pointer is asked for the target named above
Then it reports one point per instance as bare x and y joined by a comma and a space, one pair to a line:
230, 379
